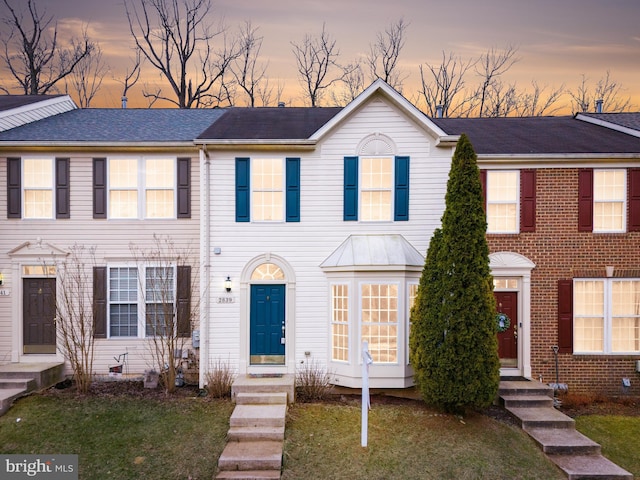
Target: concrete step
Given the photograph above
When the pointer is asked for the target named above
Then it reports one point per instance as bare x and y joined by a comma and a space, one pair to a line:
249, 475
589, 467
532, 387
8, 396
261, 398
258, 416
44, 374
251, 456
264, 384
563, 441
253, 434
26, 384
541, 417
515, 401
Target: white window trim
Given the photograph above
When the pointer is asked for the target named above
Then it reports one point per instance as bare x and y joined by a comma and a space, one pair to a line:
51, 188
142, 188
625, 195
399, 318
282, 190
141, 298
349, 359
362, 190
517, 203
608, 317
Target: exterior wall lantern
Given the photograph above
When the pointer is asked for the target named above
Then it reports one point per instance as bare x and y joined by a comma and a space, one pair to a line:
227, 284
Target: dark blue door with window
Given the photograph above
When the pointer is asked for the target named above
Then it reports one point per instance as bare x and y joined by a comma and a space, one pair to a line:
267, 325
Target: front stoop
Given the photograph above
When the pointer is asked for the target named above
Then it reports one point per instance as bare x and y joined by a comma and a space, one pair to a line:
256, 429
576, 455
19, 379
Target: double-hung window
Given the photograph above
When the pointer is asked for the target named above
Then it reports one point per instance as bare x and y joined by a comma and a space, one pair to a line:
609, 200
379, 307
267, 189
38, 187
340, 323
606, 315
142, 188
502, 201
376, 189
130, 300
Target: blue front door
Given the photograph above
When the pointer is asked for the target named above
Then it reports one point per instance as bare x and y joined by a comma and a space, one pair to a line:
267, 319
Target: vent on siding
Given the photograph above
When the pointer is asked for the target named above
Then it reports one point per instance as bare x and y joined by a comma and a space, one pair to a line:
376, 144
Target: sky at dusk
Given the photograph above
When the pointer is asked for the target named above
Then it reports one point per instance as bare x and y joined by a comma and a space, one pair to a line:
557, 40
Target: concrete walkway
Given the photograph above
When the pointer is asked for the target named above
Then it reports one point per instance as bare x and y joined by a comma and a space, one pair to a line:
256, 434
579, 457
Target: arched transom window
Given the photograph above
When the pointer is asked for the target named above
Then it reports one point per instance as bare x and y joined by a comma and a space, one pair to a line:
267, 271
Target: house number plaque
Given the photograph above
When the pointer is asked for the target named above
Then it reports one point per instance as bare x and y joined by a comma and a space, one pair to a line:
225, 300
5, 292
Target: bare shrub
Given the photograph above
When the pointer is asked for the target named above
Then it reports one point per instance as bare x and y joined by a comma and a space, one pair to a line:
219, 379
312, 382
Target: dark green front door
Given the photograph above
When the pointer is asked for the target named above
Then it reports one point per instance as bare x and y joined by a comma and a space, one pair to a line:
267, 324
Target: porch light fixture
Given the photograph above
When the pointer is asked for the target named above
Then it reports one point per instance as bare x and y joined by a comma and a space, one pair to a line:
1, 278
227, 284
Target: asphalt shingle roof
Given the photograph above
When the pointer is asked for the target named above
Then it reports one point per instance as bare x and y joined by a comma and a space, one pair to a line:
117, 125
539, 135
7, 102
269, 123
624, 119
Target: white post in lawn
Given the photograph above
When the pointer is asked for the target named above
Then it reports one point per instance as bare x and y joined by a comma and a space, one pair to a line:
366, 403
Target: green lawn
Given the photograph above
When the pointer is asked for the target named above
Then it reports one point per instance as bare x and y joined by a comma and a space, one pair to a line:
136, 437
618, 435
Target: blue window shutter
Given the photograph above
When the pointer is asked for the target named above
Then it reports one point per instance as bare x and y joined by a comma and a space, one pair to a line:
292, 193
350, 189
401, 194
243, 190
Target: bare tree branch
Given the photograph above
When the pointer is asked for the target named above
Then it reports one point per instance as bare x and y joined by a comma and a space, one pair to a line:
245, 69
384, 53
86, 79
490, 66
584, 97
32, 54
176, 38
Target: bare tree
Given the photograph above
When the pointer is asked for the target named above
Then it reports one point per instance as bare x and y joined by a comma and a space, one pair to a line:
245, 69
315, 58
176, 37
539, 101
32, 53
169, 273
490, 67
384, 53
353, 85
86, 78
75, 313
584, 97
131, 77
441, 85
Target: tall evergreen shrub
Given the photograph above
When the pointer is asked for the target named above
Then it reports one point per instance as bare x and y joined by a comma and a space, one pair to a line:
454, 349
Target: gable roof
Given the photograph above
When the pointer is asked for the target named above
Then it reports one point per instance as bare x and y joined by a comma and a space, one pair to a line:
267, 123
103, 127
627, 122
546, 136
17, 110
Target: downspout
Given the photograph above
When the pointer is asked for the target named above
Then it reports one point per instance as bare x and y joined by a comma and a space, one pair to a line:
205, 233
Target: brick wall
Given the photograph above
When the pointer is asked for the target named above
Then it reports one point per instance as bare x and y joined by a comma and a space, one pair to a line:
561, 252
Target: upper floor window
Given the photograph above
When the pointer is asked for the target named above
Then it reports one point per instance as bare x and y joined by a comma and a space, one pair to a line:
38, 187
142, 188
267, 199
609, 200
376, 188
606, 315
267, 189
502, 201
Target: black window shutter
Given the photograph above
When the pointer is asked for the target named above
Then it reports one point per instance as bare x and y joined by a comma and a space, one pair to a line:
565, 316
184, 187
634, 200
528, 200
100, 302
99, 188
14, 188
183, 297
63, 188
585, 200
